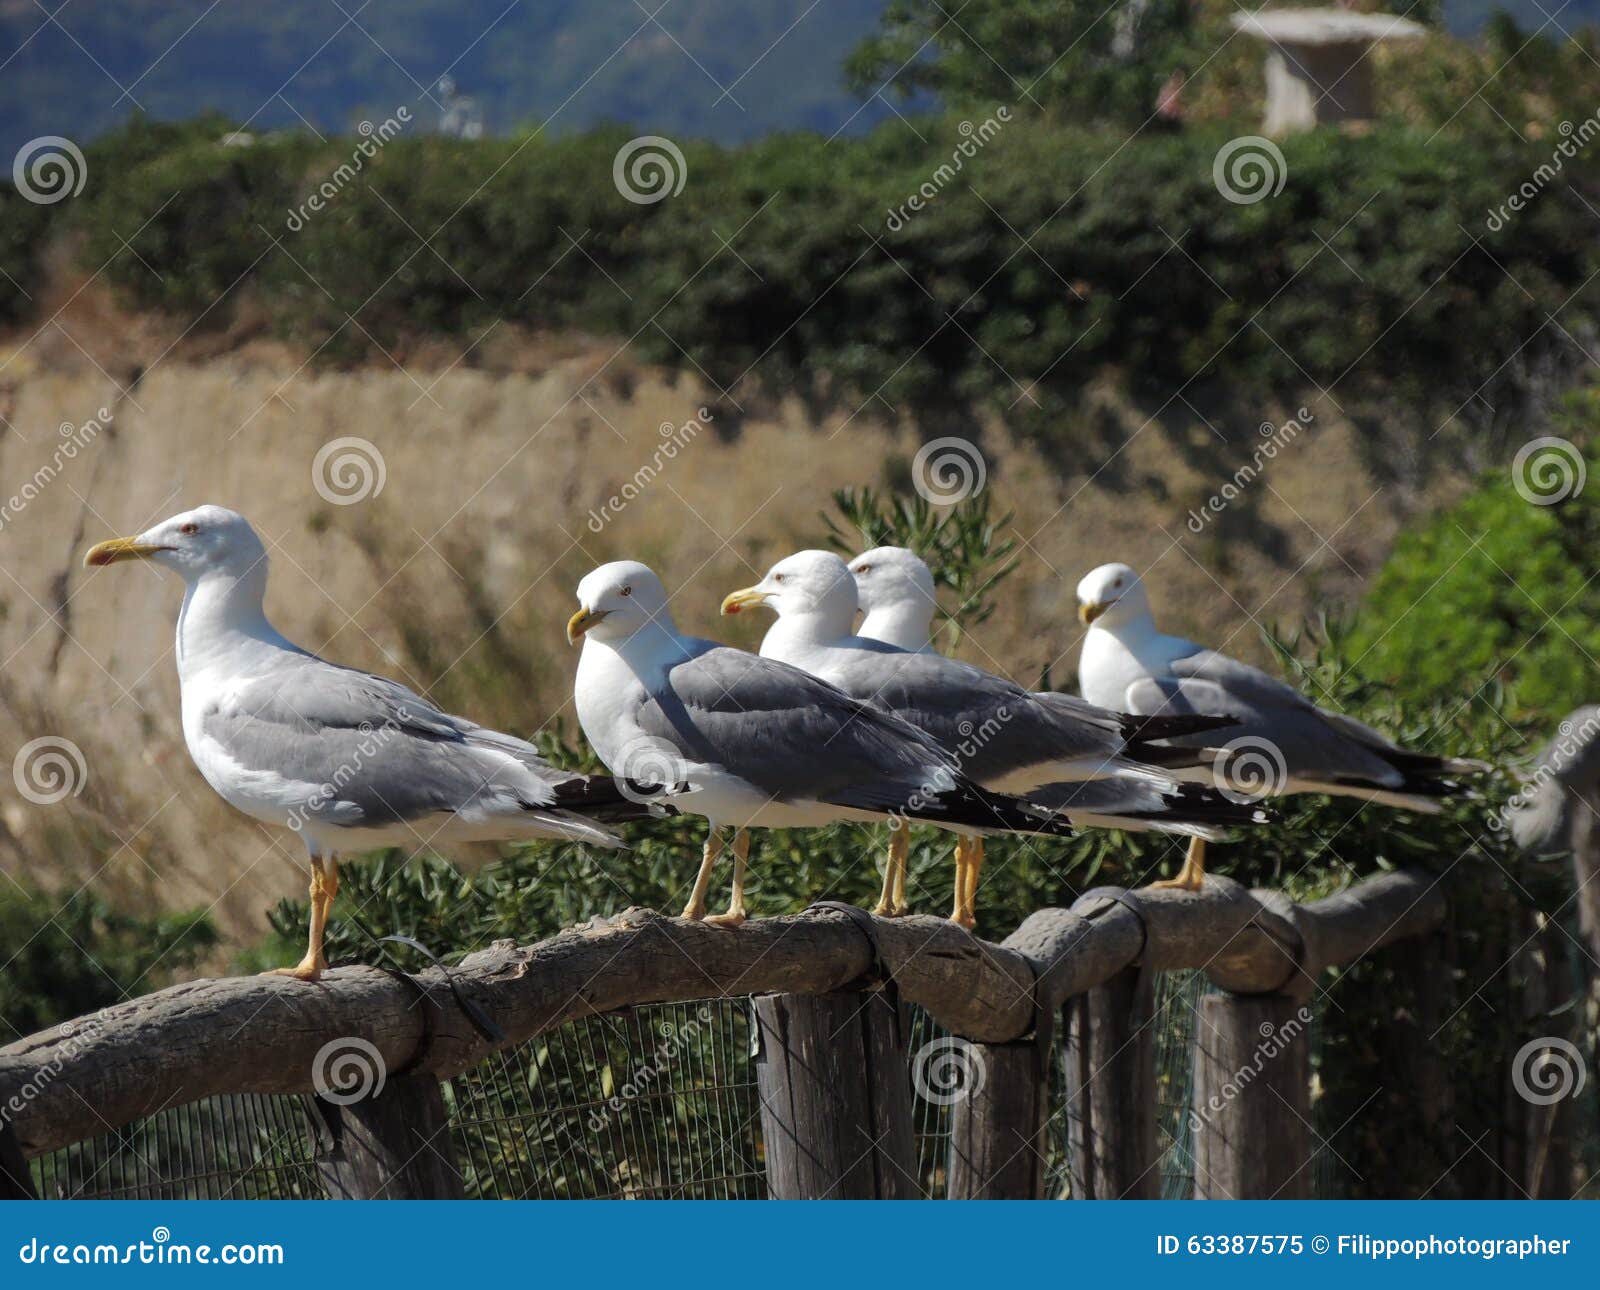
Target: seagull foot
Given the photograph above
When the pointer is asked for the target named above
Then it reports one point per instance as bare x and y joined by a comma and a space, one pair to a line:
968, 921
1183, 882
882, 910
733, 918
302, 971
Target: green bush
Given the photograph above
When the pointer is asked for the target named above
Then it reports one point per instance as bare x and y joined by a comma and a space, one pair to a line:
1498, 587
65, 958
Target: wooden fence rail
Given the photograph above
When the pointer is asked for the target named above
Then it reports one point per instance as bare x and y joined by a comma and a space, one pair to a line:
266, 1034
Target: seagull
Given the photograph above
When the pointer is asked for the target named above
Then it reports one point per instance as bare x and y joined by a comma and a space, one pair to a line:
750, 742
895, 589
1283, 742
1006, 738
348, 760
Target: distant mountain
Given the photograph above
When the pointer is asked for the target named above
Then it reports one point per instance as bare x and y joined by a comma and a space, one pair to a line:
723, 69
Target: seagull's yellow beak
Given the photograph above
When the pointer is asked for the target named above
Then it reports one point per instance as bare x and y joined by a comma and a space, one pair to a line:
582, 621
1089, 610
744, 598
126, 548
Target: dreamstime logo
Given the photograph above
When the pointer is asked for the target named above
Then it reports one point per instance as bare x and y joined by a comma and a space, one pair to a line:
674, 439
948, 1071
947, 471
347, 1070
1548, 1069
648, 169
1275, 1039
1250, 768
348, 470
675, 1038
49, 769
647, 769
1548, 470
49, 168
1273, 440
1249, 169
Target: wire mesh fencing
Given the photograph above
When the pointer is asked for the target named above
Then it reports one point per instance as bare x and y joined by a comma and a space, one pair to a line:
654, 1101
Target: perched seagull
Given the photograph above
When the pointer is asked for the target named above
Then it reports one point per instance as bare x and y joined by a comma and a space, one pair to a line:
1283, 743
348, 760
1001, 735
894, 588
896, 592
749, 742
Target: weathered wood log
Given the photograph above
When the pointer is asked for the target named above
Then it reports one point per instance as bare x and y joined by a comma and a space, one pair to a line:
835, 1097
1111, 1090
16, 1179
392, 1145
262, 1034
997, 1128
1251, 1116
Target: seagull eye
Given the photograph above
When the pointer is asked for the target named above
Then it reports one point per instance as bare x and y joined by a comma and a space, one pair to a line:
627, 591
189, 530
866, 568
777, 577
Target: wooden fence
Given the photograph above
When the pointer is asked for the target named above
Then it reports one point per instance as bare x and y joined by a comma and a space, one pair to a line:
829, 1030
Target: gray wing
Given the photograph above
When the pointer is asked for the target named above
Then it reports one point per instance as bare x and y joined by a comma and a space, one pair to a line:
1315, 745
383, 753
787, 732
992, 726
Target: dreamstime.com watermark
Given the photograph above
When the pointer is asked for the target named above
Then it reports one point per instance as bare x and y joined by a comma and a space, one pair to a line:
973, 139
160, 1250
949, 470
49, 769
674, 439
1275, 1041
674, 1039
373, 739
373, 137
1569, 743
73, 439
48, 169
348, 470
1575, 138
74, 1036
1274, 439
972, 739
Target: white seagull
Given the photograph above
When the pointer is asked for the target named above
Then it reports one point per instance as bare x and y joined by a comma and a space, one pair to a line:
1002, 736
1283, 743
348, 760
750, 742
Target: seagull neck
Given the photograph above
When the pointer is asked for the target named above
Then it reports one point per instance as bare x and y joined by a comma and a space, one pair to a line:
220, 610
651, 650
820, 625
904, 625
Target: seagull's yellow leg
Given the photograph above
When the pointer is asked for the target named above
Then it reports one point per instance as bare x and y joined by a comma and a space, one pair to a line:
313, 965
695, 910
1192, 877
962, 911
892, 901
974, 868
736, 911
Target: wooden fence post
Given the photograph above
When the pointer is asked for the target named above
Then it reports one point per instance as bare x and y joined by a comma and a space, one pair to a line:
997, 1130
392, 1146
835, 1093
1251, 1115
1111, 1090
16, 1179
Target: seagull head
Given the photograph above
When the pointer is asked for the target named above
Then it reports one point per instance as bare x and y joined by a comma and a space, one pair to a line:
893, 578
206, 540
1112, 595
804, 584
616, 600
